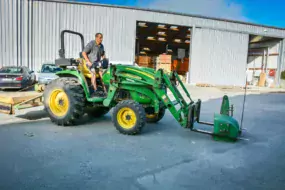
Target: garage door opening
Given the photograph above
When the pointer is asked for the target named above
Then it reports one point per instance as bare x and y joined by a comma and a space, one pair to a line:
163, 46
263, 60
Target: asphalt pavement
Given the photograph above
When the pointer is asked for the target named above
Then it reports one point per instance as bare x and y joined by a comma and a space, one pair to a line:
36, 154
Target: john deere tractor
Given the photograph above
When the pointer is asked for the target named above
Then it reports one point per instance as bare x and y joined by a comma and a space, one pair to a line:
137, 95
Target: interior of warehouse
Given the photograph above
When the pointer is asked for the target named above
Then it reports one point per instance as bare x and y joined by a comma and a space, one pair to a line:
263, 59
163, 46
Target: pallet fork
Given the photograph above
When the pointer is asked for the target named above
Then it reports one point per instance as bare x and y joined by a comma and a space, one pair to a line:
225, 127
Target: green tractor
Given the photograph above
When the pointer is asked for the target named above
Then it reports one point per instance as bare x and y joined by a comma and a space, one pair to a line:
138, 95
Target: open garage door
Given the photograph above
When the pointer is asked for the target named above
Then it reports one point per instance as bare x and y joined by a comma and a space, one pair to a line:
263, 61
218, 57
163, 46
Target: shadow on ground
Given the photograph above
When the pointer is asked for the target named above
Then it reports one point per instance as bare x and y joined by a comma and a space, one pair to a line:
34, 115
208, 109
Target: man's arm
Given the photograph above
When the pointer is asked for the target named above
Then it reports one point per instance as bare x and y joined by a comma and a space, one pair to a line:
103, 53
88, 62
87, 50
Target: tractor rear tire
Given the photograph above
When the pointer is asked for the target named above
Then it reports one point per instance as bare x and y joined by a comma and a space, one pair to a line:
64, 100
129, 117
97, 111
154, 118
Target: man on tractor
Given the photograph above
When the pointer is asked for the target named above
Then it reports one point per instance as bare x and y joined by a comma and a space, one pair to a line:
93, 53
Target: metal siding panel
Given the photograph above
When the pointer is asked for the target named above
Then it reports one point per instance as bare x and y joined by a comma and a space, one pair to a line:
2, 33
281, 61
218, 57
283, 56
202, 22
117, 24
119, 42
24, 33
8, 33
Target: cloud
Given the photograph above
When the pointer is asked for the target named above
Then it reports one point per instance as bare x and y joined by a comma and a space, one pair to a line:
212, 8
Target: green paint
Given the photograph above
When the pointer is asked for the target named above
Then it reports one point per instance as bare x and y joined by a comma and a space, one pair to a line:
106, 76
139, 97
225, 107
79, 76
225, 128
148, 87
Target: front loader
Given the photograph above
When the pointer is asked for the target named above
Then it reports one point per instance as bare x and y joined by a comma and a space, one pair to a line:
137, 95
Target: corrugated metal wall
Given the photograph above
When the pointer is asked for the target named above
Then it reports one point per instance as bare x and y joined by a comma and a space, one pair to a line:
218, 57
281, 61
33, 38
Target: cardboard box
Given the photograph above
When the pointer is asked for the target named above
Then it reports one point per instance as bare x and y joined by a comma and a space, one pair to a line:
144, 59
164, 59
181, 67
165, 66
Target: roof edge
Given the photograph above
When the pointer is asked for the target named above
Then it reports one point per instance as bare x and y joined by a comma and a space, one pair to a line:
160, 11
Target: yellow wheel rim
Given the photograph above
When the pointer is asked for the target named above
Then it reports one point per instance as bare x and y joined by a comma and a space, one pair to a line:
126, 118
58, 102
151, 116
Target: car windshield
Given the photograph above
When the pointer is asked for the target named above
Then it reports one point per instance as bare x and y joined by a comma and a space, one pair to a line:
48, 68
11, 70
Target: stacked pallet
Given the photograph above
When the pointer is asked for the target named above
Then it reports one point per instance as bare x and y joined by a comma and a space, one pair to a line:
164, 62
181, 67
145, 61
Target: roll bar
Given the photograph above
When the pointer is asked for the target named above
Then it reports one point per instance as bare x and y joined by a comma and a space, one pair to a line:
62, 49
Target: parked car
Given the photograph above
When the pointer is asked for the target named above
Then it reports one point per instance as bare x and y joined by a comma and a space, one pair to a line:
46, 75
12, 77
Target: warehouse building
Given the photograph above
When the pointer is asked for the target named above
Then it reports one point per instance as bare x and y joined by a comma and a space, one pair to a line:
204, 50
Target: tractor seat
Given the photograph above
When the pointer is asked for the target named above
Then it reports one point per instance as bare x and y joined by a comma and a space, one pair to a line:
84, 69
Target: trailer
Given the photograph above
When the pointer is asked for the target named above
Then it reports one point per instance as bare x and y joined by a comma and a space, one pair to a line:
18, 101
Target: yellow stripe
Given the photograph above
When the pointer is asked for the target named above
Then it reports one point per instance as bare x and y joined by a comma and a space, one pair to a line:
131, 76
143, 73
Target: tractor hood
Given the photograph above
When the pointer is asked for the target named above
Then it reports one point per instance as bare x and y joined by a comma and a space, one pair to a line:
131, 72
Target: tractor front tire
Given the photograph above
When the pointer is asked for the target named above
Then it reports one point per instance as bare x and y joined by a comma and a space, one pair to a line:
129, 117
97, 111
64, 100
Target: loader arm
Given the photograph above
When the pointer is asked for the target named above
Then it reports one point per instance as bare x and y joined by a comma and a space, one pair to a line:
180, 114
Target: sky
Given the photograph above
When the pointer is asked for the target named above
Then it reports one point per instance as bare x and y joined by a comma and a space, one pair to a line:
265, 12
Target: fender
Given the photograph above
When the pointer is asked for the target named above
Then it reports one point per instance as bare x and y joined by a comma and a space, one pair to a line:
75, 74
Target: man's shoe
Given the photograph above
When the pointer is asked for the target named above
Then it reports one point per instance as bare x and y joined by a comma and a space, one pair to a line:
94, 94
102, 94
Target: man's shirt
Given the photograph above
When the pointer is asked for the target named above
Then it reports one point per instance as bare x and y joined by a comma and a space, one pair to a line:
94, 51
